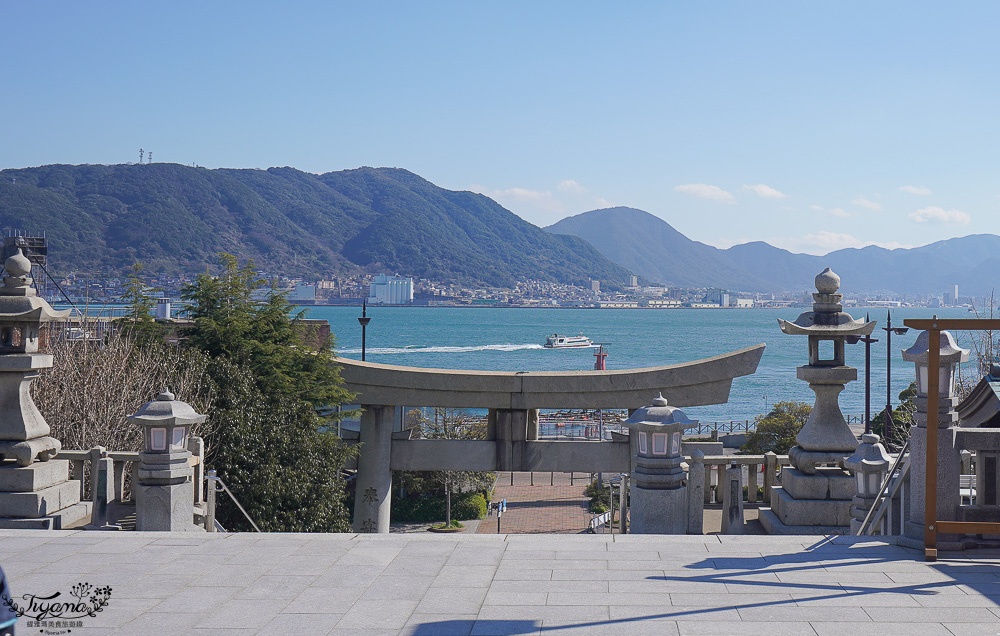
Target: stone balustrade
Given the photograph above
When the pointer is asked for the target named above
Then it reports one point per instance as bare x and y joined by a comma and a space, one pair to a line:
84, 463
762, 472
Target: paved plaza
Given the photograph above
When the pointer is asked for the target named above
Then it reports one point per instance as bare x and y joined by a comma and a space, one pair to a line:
567, 585
541, 503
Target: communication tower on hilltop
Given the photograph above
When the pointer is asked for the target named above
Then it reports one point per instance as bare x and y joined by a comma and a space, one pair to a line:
149, 157
141, 153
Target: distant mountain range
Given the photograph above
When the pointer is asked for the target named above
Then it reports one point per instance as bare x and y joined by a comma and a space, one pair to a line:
654, 250
101, 219
174, 218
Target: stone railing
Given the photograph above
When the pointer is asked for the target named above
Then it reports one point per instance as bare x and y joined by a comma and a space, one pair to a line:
761, 472
108, 486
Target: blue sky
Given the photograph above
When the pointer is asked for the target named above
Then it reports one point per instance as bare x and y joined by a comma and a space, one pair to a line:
810, 125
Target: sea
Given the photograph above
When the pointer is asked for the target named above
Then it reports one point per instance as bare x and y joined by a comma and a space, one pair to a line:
510, 339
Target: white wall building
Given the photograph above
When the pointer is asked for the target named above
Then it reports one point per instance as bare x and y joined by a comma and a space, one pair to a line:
390, 290
303, 292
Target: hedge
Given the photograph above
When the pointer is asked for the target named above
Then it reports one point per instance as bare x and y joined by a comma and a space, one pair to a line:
427, 508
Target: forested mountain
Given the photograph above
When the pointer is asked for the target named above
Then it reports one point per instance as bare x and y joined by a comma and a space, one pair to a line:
653, 249
176, 218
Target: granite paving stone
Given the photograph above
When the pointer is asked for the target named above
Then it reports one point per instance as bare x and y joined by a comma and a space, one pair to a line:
452, 600
972, 629
931, 615
790, 613
276, 586
241, 614
674, 613
381, 614
328, 600
739, 628
301, 624
410, 588
439, 624
839, 628
482, 584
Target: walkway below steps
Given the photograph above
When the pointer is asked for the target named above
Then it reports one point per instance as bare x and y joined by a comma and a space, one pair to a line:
438, 585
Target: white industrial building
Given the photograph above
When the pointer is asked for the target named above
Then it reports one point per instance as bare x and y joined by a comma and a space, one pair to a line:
390, 290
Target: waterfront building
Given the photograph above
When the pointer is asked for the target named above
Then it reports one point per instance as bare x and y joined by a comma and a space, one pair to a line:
390, 290
303, 293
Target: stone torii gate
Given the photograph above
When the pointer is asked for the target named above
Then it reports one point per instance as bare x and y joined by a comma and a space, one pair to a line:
513, 400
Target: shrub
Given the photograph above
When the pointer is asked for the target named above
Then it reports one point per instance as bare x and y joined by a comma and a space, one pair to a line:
599, 497
776, 431
428, 508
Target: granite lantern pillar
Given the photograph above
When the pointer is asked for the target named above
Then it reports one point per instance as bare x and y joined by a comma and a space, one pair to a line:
947, 455
870, 465
35, 490
165, 489
659, 496
812, 498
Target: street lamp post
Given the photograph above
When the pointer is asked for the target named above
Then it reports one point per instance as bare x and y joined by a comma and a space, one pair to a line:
868, 340
364, 320
889, 330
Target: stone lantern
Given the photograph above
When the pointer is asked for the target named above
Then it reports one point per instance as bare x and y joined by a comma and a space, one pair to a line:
948, 458
814, 498
870, 465
35, 489
165, 492
659, 494
24, 435
951, 356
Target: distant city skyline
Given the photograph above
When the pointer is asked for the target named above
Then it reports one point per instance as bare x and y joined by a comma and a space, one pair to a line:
811, 126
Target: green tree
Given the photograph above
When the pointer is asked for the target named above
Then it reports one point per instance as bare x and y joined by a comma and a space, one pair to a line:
138, 321
902, 419
268, 444
236, 316
276, 456
776, 431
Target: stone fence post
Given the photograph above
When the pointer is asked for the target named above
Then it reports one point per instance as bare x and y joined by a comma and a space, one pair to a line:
696, 493
732, 500
770, 474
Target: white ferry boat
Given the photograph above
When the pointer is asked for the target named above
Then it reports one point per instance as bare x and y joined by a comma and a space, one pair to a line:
555, 341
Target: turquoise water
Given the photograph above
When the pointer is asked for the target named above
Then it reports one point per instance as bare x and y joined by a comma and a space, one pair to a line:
511, 340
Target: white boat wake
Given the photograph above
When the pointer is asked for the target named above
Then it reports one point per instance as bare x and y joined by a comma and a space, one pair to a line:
426, 349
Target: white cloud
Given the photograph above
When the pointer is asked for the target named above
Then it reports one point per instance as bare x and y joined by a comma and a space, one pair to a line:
725, 243
540, 200
824, 242
544, 207
865, 203
705, 191
935, 214
762, 190
840, 213
915, 190
817, 208
570, 186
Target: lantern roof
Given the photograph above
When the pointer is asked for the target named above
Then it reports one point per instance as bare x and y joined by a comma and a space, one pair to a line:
18, 299
658, 414
827, 317
870, 450
950, 351
165, 410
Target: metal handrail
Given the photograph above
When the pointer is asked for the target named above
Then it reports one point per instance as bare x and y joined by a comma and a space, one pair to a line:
212, 477
881, 502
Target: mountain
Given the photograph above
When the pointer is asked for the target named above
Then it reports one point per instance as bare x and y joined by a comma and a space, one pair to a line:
176, 218
653, 249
